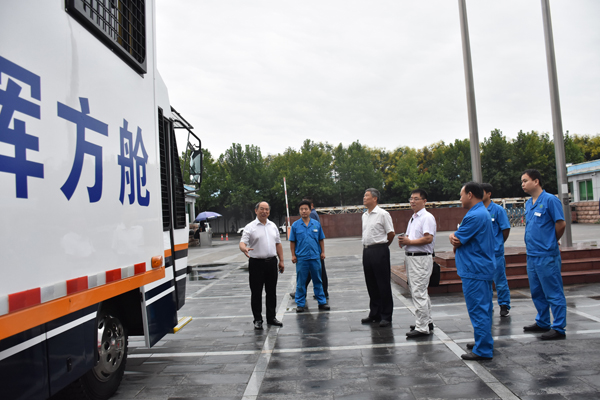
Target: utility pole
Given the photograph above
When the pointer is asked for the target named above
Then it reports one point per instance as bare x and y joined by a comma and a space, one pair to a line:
559, 143
473, 132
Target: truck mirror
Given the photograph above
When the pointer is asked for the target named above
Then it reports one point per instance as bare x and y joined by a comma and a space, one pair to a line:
196, 166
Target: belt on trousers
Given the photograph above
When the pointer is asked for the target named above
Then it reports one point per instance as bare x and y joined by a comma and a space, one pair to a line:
366, 246
417, 254
263, 259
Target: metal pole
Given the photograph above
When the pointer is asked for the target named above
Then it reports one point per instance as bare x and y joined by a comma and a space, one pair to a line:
473, 132
287, 209
559, 144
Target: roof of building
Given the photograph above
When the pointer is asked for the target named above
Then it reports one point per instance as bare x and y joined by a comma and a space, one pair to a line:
582, 168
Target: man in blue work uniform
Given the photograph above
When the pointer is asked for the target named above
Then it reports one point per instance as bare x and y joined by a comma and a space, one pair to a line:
308, 249
501, 228
544, 226
475, 264
324, 280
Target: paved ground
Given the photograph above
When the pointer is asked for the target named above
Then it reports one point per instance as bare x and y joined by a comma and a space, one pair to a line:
330, 355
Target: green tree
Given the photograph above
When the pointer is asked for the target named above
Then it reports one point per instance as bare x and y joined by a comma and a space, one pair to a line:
308, 173
589, 145
534, 150
573, 152
210, 189
451, 168
497, 164
244, 180
354, 172
404, 174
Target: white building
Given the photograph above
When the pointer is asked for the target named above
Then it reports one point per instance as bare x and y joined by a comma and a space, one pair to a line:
584, 181
584, 186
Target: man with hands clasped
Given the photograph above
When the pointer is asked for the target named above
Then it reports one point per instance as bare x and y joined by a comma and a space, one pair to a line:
475, 264
419, 241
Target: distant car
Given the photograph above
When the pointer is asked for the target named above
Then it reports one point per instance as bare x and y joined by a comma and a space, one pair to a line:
240, 231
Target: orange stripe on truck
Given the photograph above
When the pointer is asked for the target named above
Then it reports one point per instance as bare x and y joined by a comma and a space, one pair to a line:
182, 246
27, 318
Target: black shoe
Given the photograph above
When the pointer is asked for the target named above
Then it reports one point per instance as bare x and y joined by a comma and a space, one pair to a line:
553, 335
258, 325
474, 357
415, 334
274, 322
384, 323
324, 307
504, 311
535, 328
470, 345
369, 320
412, 327
299, 309
293, 295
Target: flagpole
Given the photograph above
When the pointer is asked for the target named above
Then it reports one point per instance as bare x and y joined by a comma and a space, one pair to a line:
287, 231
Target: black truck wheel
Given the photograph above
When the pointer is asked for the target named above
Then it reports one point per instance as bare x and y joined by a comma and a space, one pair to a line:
102, 381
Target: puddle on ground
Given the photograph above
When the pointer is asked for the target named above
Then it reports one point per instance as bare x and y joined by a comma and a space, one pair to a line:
203, 272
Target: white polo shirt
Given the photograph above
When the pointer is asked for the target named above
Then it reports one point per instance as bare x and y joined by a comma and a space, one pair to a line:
421, 223
261, 238
375, 226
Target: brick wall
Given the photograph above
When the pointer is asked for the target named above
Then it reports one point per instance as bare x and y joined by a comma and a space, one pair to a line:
587, 212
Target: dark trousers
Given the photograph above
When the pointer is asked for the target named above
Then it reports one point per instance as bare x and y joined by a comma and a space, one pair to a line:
377, 269
323, 279
263, 273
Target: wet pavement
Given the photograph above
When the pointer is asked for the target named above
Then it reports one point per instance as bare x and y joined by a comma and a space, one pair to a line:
331, 355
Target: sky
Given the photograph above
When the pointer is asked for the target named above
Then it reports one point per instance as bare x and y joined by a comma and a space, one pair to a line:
273, 73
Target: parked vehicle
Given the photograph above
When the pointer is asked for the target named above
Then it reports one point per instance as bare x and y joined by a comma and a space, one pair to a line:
94, 231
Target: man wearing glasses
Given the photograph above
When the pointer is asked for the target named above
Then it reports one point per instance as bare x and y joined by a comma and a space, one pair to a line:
419, 241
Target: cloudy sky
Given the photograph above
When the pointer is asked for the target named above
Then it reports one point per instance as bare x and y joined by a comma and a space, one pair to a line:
388, 73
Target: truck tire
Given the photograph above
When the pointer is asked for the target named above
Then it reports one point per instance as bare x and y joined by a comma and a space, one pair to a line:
102, 381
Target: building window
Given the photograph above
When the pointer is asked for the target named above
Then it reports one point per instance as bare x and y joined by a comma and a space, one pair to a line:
586, 191
119, 24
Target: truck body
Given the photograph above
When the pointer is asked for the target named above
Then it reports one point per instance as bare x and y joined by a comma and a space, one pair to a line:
93, 228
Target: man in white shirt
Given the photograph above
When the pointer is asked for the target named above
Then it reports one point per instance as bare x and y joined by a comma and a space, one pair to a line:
377, 235
262, 245
419, 241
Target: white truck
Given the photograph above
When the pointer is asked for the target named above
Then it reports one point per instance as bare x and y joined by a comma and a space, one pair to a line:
93, 230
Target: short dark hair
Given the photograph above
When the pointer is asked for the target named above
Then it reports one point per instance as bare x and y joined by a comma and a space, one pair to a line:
258, 204
420, 192
374, 192
304, 203
474, 188
533, 174
309, 199
487, 187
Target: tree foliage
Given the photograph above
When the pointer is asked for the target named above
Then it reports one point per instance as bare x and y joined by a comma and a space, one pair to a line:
338, 175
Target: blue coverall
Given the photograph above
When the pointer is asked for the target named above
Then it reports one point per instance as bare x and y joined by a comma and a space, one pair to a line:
475, 264
308, 253
543, 260
500, 223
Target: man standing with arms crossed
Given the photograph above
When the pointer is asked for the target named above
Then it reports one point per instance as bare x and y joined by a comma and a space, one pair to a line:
501, 228
475, 264
308, 249
377, 235
419, 241
261, 244
544, 226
